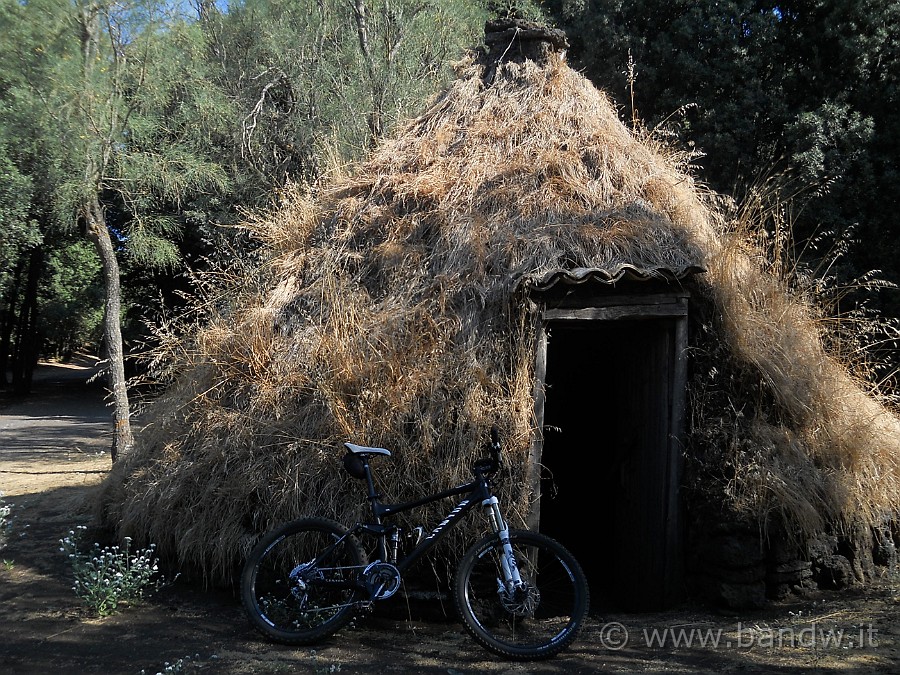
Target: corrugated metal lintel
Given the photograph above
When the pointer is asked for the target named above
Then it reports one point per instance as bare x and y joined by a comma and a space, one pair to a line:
580, 275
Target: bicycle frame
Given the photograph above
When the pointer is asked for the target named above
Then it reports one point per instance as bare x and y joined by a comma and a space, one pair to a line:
477, 493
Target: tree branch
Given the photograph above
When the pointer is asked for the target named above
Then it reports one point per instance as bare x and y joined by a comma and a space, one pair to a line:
362, 31
249, 124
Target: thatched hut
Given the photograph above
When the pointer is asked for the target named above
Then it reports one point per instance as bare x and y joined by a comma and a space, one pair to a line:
517, 255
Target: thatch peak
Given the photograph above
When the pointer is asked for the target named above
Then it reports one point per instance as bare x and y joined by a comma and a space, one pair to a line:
513, 39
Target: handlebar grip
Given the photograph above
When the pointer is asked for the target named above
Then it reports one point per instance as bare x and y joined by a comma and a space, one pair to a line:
495, 446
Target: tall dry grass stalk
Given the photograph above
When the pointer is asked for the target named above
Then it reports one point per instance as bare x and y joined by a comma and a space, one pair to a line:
813, 440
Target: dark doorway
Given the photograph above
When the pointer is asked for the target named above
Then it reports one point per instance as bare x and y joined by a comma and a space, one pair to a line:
607, 453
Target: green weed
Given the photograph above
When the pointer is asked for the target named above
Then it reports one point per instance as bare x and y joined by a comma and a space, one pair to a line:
106, 577
188, 664
5, 522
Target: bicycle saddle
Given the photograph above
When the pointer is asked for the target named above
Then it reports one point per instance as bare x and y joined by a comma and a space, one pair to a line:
363, 450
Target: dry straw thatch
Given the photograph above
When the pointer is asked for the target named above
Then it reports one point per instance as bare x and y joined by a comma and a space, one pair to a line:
392, 313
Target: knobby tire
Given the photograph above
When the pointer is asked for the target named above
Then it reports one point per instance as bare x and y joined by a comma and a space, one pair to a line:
288, 600
536, 623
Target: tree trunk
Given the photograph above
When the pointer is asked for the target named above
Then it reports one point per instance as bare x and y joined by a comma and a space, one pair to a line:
98, 233
27, 343
8, 320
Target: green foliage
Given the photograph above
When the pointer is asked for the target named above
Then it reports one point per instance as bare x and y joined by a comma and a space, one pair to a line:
18, 232
150, 241
108, 577
517, 9
72, 298
101, 103
113, 115
805, 88
828, 140
315, 84
173, 156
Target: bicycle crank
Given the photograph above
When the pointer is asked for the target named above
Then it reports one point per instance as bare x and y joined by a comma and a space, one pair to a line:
382, 580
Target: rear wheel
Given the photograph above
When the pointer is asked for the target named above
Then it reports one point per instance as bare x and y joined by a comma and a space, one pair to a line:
299, 584
535, 621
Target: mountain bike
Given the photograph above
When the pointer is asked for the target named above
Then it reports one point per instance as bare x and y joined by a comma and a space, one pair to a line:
519, 593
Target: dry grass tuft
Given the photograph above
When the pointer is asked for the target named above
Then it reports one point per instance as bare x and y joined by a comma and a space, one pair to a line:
389, 314
809, 440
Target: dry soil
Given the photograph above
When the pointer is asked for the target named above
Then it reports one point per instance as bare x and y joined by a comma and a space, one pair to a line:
54, 452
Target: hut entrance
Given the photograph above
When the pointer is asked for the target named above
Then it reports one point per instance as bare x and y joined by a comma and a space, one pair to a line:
613, 386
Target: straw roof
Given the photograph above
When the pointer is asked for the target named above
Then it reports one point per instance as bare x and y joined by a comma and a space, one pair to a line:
391, 313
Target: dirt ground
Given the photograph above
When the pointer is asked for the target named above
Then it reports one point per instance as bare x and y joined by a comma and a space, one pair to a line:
54, 452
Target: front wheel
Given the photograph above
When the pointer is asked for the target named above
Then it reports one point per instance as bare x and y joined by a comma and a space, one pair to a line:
535, 621
300, 582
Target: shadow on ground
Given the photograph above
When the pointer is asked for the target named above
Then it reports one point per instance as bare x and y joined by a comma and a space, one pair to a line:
53, 455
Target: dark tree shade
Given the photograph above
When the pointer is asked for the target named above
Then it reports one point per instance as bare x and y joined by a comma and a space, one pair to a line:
806, 87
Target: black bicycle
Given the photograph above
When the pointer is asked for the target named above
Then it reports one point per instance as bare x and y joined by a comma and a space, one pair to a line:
519, 593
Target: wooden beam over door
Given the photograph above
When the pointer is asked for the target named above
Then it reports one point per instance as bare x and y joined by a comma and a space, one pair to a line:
615, 313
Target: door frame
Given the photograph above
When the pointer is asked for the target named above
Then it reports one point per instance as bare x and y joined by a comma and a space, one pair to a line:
604, 302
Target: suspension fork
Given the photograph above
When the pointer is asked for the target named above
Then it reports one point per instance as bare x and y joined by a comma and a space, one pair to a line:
508, 563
